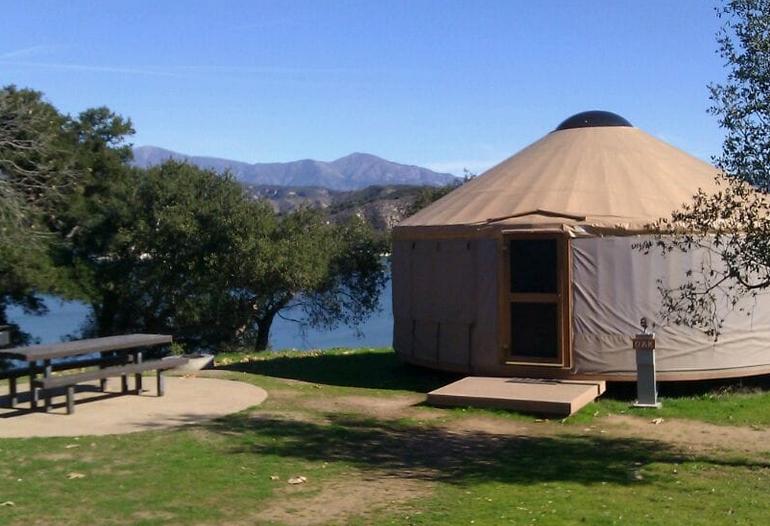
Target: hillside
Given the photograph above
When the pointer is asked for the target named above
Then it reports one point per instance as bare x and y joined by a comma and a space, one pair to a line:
381, 206
352, 172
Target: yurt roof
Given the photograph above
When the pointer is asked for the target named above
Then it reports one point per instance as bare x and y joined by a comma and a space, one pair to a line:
595, 172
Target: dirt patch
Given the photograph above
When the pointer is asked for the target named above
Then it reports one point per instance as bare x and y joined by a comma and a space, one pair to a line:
284, 394
265, 417
339, 500
689, 434
501, 426
152, 516
56, 457
390, 407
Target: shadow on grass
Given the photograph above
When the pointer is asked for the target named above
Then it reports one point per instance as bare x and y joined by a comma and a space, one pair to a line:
383, 370
426, 453
626, 391
374, 370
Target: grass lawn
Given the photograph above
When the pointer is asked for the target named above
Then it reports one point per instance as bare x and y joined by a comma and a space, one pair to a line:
352, 423
744, 403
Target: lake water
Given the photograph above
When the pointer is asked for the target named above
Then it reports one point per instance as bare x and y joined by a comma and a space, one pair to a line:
64, 318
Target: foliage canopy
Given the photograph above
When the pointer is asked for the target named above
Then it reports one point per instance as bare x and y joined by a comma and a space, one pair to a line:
171, 249
195, 257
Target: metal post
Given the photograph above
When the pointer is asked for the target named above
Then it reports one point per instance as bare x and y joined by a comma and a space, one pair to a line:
646, 384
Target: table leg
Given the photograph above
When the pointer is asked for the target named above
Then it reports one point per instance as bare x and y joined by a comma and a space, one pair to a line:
47, 371
103, 381
161, 383
13, 397
70, 399
33, 391
138, 376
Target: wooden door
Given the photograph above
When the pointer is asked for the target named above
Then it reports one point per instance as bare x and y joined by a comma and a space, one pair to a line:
535, 300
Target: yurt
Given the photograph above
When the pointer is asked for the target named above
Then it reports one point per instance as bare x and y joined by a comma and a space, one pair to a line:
530, 269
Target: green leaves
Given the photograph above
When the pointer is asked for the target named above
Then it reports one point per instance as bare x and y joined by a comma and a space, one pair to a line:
742, 102
39, 174
192, 255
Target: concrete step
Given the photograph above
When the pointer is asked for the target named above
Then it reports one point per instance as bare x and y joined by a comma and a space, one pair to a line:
529, 395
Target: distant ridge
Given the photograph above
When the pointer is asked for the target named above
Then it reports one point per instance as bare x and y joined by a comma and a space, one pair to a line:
352, 172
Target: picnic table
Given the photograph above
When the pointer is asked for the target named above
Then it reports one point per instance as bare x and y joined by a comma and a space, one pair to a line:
117, 356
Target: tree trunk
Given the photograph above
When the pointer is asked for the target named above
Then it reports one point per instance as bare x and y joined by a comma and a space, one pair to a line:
104, 314
3, 314
263, 331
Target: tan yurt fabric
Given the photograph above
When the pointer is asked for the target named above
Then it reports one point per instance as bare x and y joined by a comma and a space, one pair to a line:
614, 178
588, 192
613, 285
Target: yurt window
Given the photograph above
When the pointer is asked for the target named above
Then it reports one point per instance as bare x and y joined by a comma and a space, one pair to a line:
534, 300
534, 266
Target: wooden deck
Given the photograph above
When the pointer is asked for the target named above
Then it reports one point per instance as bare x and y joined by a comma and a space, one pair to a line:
550, 397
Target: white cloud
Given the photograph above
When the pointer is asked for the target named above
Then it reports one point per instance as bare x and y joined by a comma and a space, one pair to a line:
84, 67
262, 70
12, 59
27, 52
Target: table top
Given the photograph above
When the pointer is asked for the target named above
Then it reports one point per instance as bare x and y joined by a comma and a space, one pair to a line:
91, 345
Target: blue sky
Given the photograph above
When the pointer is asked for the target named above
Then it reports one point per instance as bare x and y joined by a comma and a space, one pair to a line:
444, 84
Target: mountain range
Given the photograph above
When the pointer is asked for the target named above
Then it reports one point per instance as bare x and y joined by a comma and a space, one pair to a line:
352, 172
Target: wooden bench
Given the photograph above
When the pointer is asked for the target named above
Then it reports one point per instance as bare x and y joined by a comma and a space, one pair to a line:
69, 381
126, 352
13, 375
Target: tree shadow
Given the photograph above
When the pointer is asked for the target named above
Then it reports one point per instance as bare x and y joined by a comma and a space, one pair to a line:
627, 390
383, 370
436, 454
375, 370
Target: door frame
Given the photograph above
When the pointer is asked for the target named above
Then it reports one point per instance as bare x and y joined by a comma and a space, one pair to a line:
563, 299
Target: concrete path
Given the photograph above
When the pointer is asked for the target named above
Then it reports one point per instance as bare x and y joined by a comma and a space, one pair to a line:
188, 400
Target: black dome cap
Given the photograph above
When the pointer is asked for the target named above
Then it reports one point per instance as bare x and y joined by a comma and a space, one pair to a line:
592, 119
